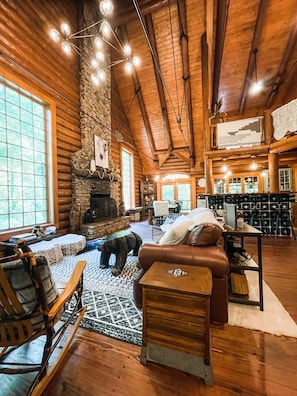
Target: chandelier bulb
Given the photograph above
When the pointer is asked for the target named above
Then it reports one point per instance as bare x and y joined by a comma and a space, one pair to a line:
65, 29
127, 50
66, 47
105, 29
106, 7
55, 35
102, 75
98, 42
136, 61
95, 79
128, 67
94, 64
100, 56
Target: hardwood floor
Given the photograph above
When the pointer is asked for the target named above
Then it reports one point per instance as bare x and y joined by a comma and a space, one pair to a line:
245, 362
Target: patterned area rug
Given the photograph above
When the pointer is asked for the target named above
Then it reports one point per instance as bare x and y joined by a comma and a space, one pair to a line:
111, 310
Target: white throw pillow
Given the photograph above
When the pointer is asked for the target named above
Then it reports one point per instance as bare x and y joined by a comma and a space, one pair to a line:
197, 211
206, 217
176, 234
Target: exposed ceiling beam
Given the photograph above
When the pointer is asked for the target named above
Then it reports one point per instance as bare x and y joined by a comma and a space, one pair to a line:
186, 75
221, 23
151, 33
245, 151
126, 13
280, 77
263, 5
138, 93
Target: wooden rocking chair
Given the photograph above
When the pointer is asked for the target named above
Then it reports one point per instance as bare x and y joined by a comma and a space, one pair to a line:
31, 307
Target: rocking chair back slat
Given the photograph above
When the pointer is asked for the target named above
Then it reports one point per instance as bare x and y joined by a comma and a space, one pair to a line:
12, 328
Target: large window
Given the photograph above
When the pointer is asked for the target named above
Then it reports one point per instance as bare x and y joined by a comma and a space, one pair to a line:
25, 155
128, 179
180, 190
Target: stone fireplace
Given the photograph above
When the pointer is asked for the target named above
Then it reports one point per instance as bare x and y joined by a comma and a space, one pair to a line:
90, 180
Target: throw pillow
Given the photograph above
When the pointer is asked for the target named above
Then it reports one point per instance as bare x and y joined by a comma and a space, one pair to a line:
176, 234
205, 234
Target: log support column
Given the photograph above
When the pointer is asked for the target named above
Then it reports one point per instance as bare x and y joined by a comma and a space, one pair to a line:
208, 175
273, 172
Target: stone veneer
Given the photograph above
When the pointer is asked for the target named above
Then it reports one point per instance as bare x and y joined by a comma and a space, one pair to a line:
95, 119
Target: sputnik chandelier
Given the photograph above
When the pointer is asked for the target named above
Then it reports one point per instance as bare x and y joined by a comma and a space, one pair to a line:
102, 36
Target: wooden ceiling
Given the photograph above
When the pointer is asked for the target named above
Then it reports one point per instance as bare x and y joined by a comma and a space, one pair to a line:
193, 54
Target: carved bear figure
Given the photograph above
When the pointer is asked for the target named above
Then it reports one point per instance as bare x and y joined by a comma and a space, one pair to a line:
120, 247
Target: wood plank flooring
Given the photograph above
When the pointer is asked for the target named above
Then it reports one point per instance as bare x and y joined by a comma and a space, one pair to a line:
245, 362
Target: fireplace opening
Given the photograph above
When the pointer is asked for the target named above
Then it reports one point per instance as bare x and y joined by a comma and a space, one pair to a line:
102, 207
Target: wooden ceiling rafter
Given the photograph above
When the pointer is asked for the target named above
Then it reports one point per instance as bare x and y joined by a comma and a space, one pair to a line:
263, 5
129, 14
222, 18
138, 93
182, 16
281, 74
161, 93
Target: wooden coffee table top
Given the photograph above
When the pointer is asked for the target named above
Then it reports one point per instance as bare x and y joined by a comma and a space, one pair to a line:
196, 280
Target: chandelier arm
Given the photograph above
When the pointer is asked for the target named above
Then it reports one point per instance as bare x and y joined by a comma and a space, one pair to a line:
110, 44
75, 47
114, 63
83, 36
117, 40
84, 29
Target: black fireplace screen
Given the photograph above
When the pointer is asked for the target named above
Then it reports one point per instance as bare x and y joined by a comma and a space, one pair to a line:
102, 207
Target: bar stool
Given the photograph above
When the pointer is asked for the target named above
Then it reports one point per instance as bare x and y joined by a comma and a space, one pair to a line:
283, 215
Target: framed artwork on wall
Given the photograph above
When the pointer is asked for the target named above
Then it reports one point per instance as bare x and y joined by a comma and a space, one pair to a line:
241, 133
101, 152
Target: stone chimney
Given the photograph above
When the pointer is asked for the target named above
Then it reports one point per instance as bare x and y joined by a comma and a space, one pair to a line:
95, 120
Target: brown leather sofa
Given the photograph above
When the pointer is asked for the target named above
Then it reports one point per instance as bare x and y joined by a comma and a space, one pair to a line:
203, 246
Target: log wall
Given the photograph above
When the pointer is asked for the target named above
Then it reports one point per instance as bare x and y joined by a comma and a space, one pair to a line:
31, 59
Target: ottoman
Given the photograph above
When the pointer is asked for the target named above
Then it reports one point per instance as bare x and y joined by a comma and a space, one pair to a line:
50, 249
71, 244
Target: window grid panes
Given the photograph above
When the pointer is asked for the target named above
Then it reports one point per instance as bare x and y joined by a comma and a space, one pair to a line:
234, 185
184, 196
127, 178
23, 158
168, 192
219, 186
251, 184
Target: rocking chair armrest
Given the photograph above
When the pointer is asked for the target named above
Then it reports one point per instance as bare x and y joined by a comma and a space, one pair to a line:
69, 289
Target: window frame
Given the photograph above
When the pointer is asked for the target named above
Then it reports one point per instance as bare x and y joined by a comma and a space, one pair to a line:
132, 178
27, 84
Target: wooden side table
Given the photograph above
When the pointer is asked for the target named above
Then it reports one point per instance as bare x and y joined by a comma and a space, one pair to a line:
176, 330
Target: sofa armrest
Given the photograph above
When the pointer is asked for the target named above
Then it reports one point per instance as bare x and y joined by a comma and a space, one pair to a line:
213, 257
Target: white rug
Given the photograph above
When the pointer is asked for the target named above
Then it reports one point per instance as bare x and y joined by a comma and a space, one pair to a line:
274, 319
